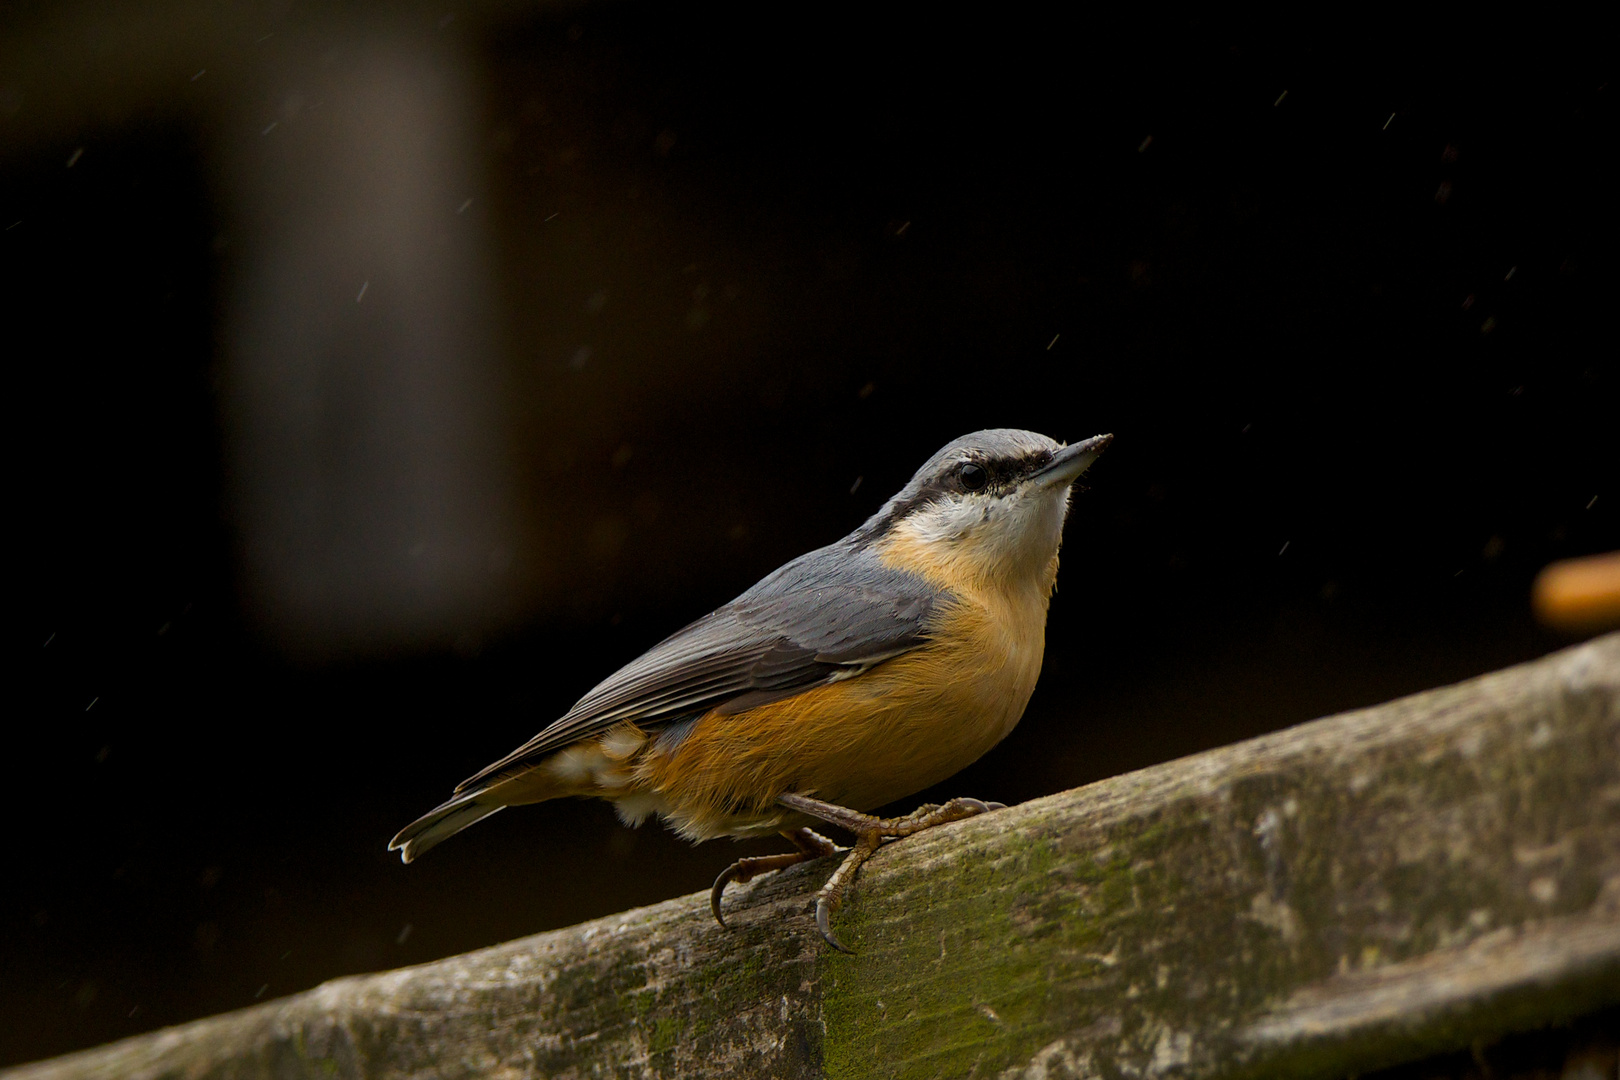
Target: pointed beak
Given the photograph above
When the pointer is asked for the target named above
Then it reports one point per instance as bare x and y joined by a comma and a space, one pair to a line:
1068, 463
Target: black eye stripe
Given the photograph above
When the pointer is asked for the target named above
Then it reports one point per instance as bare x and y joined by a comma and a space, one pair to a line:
1002, 471
1002, 475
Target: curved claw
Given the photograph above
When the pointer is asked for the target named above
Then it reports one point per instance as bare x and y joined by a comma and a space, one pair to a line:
824, 924
871, 833
727, 876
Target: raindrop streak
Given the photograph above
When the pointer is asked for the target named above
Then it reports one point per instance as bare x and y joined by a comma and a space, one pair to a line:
269, 129
1147, 142
462, 209
553, 215
199, 74
73, 159
856, 486
1279, 100
1285, 546
361, 295
1053, 342
261, 991
92, 704
1390, 121
1589, 506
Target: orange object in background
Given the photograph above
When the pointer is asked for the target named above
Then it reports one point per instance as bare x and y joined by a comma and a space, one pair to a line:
1579, 595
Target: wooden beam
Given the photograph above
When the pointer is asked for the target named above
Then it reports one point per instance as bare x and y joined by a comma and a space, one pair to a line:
1354, 892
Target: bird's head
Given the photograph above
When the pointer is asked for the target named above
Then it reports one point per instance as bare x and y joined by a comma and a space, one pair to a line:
990, 505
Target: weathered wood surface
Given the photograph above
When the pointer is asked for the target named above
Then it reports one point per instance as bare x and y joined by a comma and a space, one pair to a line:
1353, 892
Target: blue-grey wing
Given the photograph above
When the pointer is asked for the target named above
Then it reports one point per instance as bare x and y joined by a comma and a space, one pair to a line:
825, 616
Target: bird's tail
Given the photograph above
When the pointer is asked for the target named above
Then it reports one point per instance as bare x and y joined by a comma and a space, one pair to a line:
443, 822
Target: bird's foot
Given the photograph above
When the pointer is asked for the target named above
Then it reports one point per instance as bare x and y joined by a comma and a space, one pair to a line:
870, 834
811, 845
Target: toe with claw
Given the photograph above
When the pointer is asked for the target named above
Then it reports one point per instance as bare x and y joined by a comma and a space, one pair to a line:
870, 833
811, 845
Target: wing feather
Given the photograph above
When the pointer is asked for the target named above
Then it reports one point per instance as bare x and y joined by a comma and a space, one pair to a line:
828, 615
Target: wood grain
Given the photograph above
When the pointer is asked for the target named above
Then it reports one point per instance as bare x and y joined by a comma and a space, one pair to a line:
1350, 893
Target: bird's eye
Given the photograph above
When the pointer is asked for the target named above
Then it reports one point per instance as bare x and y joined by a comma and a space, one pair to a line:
973, 476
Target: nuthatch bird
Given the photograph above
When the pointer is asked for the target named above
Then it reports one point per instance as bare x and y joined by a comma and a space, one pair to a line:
858, 674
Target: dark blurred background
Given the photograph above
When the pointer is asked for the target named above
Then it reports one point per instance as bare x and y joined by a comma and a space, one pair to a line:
384, 375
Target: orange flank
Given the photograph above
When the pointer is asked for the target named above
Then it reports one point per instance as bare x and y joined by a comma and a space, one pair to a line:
907, 724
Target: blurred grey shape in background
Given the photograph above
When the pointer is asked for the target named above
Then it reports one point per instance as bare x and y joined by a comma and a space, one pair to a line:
367, 476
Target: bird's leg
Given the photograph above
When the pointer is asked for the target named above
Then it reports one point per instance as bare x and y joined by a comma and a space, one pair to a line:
811, 845
870, 834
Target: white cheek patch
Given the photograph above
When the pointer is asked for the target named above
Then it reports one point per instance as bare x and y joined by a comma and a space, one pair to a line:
1034, 520
949, 519
1024, 527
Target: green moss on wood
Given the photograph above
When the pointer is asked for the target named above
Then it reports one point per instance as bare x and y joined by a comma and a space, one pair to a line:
1217, 916
1153, 940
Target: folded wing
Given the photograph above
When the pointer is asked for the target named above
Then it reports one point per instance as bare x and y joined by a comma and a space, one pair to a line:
828, 615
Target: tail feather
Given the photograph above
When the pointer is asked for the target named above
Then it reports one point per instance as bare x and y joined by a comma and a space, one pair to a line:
441, 823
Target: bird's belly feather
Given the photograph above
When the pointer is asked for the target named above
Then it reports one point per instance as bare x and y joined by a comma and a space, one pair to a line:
903, 726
